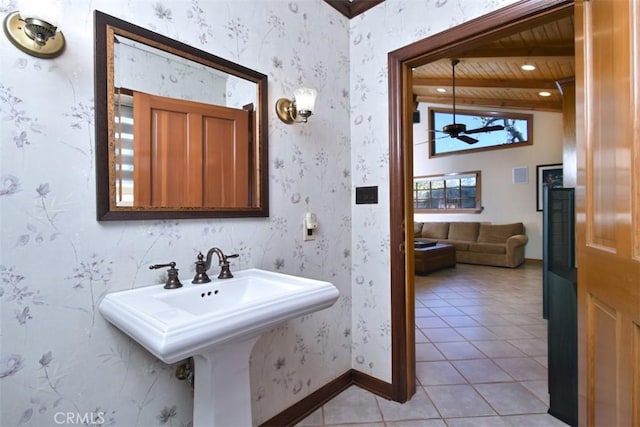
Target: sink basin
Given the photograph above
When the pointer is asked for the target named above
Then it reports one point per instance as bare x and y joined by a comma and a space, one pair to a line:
217, 324
174, 324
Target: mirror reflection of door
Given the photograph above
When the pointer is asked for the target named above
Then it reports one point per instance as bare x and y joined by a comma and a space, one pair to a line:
184, 154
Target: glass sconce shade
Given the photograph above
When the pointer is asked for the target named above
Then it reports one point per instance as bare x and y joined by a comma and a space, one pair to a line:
305, 98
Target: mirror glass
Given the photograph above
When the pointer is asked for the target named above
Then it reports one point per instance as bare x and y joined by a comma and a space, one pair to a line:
180, 133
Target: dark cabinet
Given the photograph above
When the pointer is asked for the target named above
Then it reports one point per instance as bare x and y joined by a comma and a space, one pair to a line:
563, 347
560, 304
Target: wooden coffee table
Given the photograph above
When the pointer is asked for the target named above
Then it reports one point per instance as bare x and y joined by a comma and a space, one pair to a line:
434, 258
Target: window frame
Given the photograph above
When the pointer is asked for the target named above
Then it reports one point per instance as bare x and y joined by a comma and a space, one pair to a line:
445, 177
434, 134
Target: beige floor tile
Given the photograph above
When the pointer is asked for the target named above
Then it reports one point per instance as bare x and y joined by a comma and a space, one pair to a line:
476, 333
354, 405
524, 319
542, 360
511, 398
531, 347
538, 331
481, 371
438, 373
430, 322
522, 368
508, 332
419, 407
540, 388
424, 312
442, 335
459, 350
427, 352
477, 422
539, 420
494, 349
420, 337
458, 401
482, 352
447, 311
436, 302
417, 423
490, 319
456, 321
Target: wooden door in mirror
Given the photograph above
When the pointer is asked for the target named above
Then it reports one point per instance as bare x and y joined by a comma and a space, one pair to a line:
194, 152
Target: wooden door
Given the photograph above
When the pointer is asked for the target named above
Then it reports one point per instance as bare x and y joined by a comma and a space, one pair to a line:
190, 154
608, 211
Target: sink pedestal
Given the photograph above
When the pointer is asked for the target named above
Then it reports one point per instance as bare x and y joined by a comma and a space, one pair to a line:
222, 389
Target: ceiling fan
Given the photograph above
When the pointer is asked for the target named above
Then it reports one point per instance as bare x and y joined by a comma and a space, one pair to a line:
459, 130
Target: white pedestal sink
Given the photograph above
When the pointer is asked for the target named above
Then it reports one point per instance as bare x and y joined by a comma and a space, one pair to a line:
217, 324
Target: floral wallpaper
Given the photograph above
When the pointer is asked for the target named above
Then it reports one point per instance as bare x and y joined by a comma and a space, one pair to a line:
384, 28
60, 362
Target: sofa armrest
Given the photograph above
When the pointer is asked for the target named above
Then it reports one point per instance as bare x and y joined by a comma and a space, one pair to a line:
516, 241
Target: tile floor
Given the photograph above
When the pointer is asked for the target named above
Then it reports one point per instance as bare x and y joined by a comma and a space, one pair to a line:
481, 352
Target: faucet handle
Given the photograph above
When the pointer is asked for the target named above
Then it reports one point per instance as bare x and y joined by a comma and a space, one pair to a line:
201, 271
225, 272
225, 257
172, 279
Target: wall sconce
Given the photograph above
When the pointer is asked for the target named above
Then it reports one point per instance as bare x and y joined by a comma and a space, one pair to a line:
33, 29
302, 105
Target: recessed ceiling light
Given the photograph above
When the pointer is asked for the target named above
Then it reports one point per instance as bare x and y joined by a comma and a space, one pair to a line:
528, 67
441, 90
544, 93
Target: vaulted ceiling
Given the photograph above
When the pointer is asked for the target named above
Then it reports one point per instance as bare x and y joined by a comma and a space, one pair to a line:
490, 76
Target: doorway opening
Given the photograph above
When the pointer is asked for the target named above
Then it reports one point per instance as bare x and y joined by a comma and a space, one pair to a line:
447, 44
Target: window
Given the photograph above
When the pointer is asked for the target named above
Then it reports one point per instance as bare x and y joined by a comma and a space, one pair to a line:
518, 131
124, 147
450, 193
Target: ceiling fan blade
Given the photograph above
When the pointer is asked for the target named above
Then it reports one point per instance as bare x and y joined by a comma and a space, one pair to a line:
485, 129
467, 139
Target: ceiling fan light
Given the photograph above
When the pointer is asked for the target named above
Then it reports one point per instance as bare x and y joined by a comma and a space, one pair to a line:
528, 67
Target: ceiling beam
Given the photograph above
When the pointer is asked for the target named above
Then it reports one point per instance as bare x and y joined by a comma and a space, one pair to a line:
484, 83
495, 103
560, 50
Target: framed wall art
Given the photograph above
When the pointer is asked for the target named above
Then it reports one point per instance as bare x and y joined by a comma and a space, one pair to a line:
547, 176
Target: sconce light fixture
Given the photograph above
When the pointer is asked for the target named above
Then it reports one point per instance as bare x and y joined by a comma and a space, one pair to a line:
34, 30
302, 105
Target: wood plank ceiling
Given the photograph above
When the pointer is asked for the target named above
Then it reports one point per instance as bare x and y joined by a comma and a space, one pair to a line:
491, 77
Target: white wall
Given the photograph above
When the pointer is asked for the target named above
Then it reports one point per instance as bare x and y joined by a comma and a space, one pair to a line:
502, 200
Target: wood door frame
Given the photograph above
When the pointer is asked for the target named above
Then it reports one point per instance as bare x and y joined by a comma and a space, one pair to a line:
509, 19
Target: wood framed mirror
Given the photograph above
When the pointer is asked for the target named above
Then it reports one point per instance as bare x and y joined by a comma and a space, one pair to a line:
180, 133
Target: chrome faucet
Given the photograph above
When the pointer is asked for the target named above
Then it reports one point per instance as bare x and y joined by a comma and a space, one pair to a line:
202, 266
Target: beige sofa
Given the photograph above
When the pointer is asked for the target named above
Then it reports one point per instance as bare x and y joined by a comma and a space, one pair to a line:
499, 245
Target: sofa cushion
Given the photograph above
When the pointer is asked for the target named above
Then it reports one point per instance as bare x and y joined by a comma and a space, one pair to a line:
417, 229
435, 230
492, 233
459, 245
463, 231
488, 248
